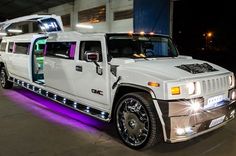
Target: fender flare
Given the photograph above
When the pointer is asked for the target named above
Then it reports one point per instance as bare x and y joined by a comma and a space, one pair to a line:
4, 65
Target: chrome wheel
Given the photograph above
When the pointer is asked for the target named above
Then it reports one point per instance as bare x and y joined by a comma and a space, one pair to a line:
3, 78
132, 122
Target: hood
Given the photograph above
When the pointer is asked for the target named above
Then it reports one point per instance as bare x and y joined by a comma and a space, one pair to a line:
178, 68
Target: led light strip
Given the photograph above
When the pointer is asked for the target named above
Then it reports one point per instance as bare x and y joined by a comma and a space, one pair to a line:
64, 101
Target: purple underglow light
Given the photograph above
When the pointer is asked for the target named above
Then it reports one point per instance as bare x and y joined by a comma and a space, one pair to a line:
72, 50
45, 50
54, 112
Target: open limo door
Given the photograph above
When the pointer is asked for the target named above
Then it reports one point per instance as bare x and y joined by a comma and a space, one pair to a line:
31, 24
20, 43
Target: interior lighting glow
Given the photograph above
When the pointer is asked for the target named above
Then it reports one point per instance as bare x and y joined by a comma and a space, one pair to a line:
14, 30
84, 26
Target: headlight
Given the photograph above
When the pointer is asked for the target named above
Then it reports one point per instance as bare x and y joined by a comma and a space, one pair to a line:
191, 88
233, 95
194, 88
231, 81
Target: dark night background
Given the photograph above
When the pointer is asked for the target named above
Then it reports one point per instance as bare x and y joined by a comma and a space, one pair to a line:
194, 18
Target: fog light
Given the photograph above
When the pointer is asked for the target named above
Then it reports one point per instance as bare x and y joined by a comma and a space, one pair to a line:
180, 131
184, 131
188, 130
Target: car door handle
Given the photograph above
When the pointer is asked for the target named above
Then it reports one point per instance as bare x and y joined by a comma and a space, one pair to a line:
79, 68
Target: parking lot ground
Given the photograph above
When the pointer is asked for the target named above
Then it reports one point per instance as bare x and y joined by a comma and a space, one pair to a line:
30, 125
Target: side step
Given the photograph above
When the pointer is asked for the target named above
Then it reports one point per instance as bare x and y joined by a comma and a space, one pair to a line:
64, 101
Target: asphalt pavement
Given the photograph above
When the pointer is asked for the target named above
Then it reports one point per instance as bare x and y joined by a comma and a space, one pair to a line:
30, 125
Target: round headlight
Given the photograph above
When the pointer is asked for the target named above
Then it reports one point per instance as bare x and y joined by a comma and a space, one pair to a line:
191, 88
233, 95
230, 80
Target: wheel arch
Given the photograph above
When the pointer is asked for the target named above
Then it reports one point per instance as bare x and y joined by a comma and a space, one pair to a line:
2, 64
125, 88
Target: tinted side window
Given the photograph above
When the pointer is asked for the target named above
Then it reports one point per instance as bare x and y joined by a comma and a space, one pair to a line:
22, 48
11, 47
92, 46
3, 47
65, 50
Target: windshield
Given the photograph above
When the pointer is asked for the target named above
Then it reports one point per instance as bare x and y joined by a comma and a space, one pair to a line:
137, 46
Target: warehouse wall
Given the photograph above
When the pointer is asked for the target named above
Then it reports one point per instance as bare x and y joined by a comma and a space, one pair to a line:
148, 15
81, 5
121, 25
111, 6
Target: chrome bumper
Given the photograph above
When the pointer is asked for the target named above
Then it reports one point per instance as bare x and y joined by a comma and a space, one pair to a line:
176, 118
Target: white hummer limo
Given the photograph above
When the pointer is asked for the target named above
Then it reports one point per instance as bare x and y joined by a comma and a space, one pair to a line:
139, 80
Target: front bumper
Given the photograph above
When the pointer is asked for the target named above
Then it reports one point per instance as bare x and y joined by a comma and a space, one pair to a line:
175, 117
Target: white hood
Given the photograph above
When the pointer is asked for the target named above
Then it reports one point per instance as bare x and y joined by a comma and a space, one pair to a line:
164, 68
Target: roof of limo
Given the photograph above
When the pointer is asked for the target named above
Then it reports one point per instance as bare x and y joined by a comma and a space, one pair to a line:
55, 36
60, 36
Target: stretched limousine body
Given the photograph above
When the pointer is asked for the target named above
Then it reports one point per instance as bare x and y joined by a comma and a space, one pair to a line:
138, 80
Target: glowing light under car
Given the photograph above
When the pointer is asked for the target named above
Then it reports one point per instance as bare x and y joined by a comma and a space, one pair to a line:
67, 102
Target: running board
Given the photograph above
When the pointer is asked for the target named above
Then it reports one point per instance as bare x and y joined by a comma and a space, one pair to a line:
104, 116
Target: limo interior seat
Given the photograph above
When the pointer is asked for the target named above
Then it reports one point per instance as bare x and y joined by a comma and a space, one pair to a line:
38, 65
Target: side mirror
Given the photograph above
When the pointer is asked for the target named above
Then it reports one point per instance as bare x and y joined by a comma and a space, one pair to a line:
91, 56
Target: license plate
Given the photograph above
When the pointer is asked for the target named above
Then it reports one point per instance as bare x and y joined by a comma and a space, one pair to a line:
214, 102
217, 121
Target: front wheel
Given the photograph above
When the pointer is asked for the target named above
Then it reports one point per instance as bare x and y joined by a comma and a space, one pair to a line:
137, 121
4, 79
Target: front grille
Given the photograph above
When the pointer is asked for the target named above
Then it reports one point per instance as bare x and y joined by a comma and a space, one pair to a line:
215, 85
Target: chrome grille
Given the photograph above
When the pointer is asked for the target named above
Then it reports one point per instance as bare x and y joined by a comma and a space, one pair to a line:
215, 84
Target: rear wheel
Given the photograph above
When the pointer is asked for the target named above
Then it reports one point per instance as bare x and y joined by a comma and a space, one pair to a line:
4, 79
137, 121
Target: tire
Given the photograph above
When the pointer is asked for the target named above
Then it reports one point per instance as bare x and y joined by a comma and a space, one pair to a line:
137, 122
4, 79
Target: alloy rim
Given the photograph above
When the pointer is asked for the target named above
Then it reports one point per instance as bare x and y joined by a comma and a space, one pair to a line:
133, 122
2, 78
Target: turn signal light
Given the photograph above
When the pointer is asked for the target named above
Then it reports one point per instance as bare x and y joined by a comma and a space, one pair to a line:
153, 84
175, 90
